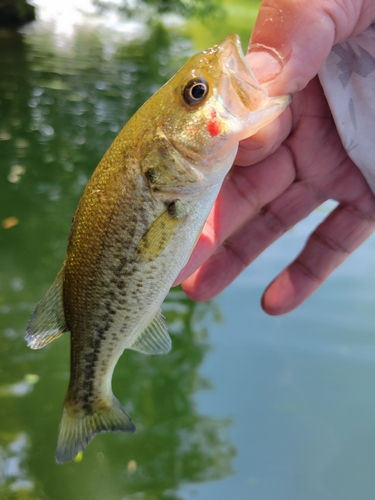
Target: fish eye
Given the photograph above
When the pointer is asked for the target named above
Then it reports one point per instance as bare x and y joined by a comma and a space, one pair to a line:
195, 91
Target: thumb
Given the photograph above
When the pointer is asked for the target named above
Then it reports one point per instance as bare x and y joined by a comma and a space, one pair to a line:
292, 38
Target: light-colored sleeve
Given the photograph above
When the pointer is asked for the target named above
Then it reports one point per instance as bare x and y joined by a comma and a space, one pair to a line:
348, 81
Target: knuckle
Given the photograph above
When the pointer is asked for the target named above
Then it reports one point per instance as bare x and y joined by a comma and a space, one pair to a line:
329, 243
307, 270
361, 214
272, 221
234, 252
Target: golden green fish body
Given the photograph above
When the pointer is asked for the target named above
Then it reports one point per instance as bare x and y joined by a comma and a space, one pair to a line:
136, 225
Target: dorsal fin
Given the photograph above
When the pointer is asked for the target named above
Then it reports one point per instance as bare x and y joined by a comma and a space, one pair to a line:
47, 321
155, 338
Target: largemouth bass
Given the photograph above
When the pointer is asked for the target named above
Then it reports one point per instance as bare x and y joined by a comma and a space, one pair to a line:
136, 225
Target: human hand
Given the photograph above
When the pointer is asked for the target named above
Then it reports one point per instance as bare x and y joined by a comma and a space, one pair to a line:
292, 166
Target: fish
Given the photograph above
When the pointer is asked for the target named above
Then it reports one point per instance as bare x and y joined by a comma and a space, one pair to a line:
136, 224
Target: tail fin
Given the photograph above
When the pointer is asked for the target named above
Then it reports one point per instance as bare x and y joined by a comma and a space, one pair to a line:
77, 429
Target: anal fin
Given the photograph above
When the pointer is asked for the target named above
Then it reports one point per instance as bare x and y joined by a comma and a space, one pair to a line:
47, 321
155, 338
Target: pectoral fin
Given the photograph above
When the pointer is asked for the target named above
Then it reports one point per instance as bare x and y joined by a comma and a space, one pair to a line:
47, 322
163, 229
155, 338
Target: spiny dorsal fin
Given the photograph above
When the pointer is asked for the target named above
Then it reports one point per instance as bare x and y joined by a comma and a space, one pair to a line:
47, 322
155, 338
78, 428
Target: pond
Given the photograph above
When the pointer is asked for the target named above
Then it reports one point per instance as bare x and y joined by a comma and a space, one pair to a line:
245, 405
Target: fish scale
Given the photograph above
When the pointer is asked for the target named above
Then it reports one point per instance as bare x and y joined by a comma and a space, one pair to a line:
136, 225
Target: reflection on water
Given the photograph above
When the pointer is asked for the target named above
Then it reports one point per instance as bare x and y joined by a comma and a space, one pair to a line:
175, 444
20, 388
14, 482
59, 110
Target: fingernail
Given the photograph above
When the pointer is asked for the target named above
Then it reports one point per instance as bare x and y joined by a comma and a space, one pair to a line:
266, 63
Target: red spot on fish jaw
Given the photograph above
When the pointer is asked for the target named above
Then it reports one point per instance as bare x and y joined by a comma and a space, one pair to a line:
213, 125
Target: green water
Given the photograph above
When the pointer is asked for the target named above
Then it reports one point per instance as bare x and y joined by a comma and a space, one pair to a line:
245, 406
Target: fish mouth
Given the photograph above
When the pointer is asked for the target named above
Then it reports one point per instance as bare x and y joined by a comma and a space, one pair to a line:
241, 93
